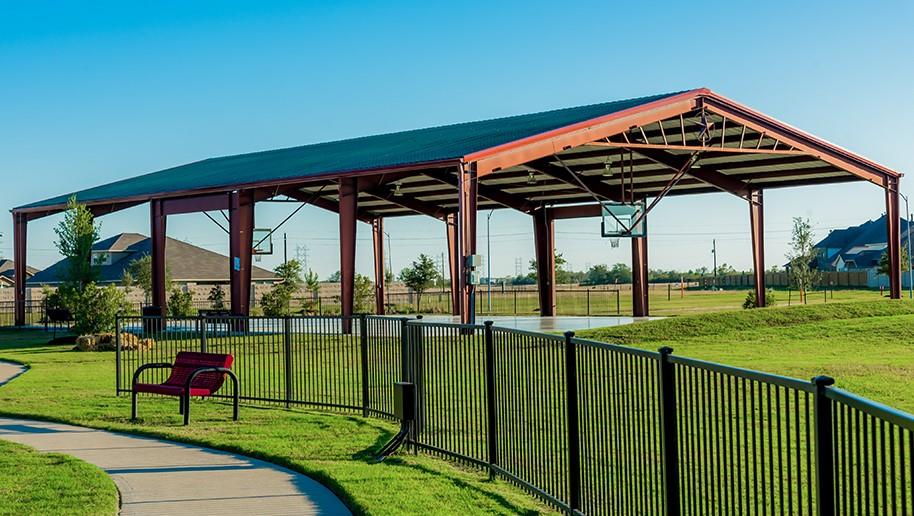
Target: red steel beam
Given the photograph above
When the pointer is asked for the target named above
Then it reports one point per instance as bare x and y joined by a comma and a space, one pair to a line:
467, 192
453, 259
157, 220
409, 202
802, 141
20, 268
544, 239
210, 202
492, 193
893, 227
757, 228
640, 287
592, 183
241, 243
578, 211
703, 173
349, 208
377, 238
548, 143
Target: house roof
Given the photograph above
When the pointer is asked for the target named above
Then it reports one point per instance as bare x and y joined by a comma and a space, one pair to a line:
863, 244
184, 262
7, 268
560, 157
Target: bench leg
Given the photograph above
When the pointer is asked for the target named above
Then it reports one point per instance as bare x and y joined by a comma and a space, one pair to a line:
133, 405
186, 399
181, 404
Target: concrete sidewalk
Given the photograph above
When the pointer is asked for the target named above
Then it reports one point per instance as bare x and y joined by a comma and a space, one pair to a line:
162, 477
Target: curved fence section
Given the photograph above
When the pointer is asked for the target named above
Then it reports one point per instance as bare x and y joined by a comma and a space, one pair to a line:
589, 427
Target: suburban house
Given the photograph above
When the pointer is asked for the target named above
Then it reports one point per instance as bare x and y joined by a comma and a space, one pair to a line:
859, 248
7, 272
187, 265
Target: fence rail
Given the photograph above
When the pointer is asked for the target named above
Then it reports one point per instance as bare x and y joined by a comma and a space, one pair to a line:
587, 426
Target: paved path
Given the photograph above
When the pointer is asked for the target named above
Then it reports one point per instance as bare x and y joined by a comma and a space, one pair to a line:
162, 477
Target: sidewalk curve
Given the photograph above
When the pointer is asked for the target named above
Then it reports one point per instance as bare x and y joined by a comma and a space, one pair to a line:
164, 477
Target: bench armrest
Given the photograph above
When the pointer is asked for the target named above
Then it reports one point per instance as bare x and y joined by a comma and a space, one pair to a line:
159, 365
198, 371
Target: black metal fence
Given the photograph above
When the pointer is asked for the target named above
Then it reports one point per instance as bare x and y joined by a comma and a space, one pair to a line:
587, 426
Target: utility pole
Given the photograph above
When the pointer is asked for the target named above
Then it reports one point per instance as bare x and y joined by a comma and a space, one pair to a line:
908, 231
285, 249
714, 255
518, 266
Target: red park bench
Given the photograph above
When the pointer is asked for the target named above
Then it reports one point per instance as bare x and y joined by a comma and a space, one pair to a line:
192, 374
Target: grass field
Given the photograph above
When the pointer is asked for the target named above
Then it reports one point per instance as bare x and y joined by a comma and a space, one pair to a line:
51, 483
336, 449
865, 346
604, 302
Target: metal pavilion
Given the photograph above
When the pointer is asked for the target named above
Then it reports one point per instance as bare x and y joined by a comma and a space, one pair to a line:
553, 165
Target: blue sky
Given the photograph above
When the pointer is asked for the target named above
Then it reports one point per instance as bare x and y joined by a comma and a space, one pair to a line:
98, 91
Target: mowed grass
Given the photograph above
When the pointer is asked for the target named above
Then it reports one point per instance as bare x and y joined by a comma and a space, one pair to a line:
50, 483
337, 449
868, 347
663, 301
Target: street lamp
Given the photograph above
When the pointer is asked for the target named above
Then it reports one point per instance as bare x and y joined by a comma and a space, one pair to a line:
489, 257
910, 271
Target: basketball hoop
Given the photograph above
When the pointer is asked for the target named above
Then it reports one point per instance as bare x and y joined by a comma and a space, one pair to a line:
614, 242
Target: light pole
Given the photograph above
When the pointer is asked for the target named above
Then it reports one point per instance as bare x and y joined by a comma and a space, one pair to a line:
910, 271
489, 257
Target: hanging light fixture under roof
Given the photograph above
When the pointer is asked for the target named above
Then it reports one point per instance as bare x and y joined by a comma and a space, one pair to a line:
397, 192
607, 169
531, 178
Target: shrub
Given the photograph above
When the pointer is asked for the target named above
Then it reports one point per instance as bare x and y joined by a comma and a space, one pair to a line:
95, 308
751, 302
180, 303
217, 298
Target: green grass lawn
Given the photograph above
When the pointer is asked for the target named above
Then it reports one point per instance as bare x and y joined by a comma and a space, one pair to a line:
866, 346
51, 483
663, 302
336, 449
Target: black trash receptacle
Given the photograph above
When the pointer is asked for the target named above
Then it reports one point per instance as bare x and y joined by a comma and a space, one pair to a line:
153, 319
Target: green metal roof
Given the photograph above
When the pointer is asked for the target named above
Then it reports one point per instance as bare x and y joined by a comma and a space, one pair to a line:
356, 154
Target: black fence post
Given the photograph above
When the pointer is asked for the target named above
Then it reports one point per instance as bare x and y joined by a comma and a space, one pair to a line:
202, 322
618, 302
515, 302
670, 438
825, 466
117, 352
287, 356
574, 436
363, 346
491, 428
588, 303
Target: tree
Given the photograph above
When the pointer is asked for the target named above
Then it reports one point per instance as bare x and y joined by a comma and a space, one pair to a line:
802, 256
336, 277
94, 309
312, 284
364, 294
76, 234
420, 276
603, 275
902, 262
139, 273
277, 302
216, 297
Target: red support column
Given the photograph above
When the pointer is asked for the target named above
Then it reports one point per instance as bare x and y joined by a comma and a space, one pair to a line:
241, 244
544, 238
640, 285
467, 190
157, 220
20, 225
757, 226
453, 258
893, 226
377, 237
348, 194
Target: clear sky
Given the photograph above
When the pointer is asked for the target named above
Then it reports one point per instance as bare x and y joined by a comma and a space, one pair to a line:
92, 92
